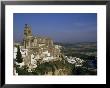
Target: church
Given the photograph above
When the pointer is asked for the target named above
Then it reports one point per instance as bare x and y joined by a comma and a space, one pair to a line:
37, 49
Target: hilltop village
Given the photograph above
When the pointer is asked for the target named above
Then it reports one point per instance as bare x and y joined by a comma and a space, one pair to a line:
38, 50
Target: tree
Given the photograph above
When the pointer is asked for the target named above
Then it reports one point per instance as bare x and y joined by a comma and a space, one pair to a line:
19, 58
23, 70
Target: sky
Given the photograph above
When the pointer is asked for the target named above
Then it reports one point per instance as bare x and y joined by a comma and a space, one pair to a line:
61, 27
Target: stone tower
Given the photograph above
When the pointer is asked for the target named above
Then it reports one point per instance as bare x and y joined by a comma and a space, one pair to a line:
27, 36
27, 31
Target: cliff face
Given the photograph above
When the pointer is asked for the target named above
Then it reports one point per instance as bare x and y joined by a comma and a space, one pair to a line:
53, 68
58, 72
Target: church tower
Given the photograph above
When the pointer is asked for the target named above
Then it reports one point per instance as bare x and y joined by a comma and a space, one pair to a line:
27, 31
27, 36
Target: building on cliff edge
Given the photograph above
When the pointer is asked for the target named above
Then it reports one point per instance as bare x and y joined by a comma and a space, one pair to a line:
36, 49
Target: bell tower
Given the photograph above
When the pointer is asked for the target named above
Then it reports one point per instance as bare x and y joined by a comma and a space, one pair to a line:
27, 31
27, 36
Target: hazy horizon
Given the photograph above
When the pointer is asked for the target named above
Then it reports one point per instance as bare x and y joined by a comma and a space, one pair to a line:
61, 27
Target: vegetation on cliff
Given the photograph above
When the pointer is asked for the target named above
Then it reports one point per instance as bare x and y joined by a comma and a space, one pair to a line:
48, 68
